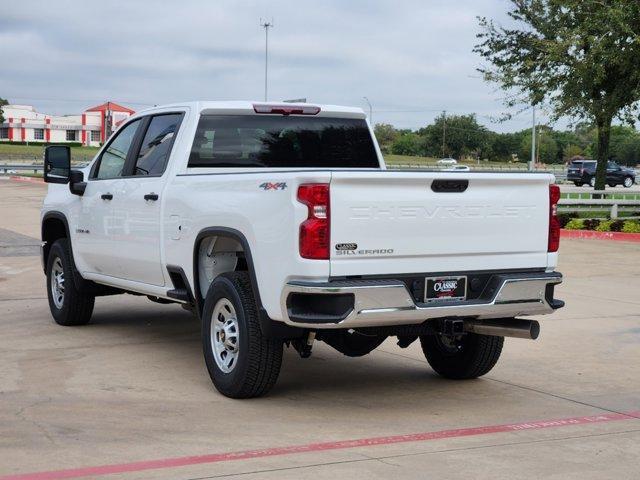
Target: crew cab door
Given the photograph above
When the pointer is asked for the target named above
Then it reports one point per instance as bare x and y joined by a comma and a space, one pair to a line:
137, 201
93, 246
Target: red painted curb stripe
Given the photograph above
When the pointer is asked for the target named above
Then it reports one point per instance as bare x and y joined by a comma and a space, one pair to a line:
27, 179
594, 235
314, 447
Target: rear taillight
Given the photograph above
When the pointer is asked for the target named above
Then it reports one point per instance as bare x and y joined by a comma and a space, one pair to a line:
554, 223
314, 231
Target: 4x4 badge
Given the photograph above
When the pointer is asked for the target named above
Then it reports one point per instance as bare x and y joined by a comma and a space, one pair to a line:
273, 186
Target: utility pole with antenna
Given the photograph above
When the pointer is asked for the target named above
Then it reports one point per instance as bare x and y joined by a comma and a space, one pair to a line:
266, 25
444, 132
370, 110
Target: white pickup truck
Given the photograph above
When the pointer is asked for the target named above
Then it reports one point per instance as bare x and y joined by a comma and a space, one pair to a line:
278, 224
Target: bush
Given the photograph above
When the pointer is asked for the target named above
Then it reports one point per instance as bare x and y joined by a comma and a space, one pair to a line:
575, 224
605, 226
565, 218
591, 223
616, 225
631, 226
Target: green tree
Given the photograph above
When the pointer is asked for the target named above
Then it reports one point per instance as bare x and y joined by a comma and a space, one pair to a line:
546, 147
572, 151
463, 136
506, 145
3, 102
407, 144
579, 57
386, 134
625, 143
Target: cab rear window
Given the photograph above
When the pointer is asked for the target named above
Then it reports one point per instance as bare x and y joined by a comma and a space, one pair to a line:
282, 141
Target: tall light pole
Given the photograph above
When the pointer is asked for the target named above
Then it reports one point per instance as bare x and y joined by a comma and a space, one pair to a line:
532, 163
444, 132
370, 110
266, 25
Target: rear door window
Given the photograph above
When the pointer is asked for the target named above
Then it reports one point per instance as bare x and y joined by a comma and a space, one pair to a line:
282, 141
156, 145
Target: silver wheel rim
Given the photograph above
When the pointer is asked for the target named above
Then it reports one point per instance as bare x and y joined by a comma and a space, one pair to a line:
224, 334
628, 182
57, 283
592, 182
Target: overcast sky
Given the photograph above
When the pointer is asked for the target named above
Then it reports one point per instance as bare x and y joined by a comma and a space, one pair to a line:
411, 58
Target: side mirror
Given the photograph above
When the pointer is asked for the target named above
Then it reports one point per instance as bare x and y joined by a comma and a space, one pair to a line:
57, 164
77, 185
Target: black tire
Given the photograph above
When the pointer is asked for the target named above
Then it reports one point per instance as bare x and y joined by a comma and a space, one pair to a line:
578, 184
75, 308
258, 359
612, 185
628, 182
467, 356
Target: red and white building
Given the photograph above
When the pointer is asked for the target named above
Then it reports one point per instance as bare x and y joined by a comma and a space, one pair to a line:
23, 124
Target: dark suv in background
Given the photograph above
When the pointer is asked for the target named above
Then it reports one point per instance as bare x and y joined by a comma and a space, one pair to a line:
583, 172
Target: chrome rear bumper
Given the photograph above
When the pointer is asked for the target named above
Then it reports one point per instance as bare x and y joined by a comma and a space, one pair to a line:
388, 302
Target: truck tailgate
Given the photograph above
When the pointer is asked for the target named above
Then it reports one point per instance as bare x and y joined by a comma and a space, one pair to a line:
387, 222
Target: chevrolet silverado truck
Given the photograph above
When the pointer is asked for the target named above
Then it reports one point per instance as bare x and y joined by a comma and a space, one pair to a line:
279, 224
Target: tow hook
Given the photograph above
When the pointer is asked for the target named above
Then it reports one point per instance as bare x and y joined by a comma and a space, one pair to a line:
304, 345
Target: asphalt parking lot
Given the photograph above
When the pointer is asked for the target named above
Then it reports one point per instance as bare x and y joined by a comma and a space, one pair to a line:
101, 400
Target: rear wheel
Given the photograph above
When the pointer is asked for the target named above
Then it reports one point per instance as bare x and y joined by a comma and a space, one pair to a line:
69, 307
592, 182
628, 182
241, 361
461, 356
578, 184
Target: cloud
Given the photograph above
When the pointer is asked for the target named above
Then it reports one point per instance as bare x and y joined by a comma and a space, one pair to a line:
411, 58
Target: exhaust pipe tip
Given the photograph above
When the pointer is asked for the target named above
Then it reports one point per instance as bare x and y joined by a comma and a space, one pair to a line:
508, 327
534, 331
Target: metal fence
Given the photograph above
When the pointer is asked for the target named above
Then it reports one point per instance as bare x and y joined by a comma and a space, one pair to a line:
611, 204
7, 168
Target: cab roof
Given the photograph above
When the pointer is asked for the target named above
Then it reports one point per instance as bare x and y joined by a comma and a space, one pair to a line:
250, 107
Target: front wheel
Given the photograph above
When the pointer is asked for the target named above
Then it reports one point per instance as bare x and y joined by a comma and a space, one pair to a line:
628, 182
592, 182
241, 361
69, 307
462, 356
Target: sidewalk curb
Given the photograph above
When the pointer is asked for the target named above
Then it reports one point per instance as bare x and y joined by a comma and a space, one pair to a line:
595, 235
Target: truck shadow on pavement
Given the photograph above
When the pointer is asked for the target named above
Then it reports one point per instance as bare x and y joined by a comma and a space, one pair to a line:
387, 375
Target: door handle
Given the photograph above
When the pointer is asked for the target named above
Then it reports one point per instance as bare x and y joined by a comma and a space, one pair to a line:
106, 196
151, 196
